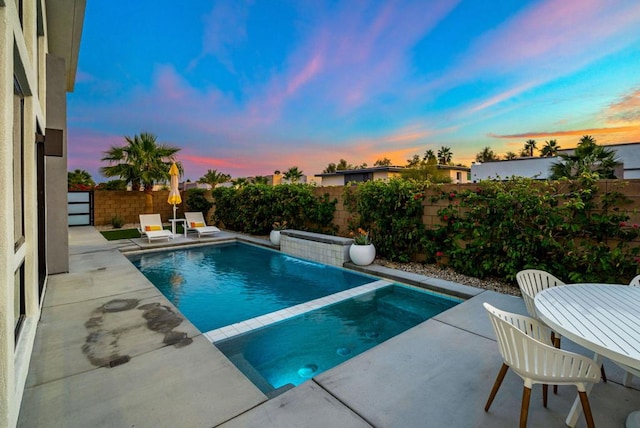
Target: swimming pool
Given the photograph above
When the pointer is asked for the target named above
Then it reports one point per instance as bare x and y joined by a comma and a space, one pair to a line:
293, 351
215, 286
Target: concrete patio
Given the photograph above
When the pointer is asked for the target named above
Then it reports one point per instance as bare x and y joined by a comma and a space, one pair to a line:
111, 351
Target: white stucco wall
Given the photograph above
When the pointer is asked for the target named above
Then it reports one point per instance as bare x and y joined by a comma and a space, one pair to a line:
628, 154
523, 167
22, 54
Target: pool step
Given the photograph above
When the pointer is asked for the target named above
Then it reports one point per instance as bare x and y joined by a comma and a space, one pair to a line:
252, 374
403, 310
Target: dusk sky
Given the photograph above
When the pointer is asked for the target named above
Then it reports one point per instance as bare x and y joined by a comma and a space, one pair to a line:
247, 88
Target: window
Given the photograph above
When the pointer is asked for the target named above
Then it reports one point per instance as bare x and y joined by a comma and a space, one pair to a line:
18, 164
18, 300
458, 177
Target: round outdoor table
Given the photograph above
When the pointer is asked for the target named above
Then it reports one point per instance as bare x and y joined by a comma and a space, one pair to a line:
604, 318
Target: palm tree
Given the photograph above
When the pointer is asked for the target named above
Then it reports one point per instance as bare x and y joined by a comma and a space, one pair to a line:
429, 155
510, 156
213, 178
260, 179
293, 174
142, 161
530, 146
549, 149
79, 177
444, 155
486, 155
240, 182
587, 158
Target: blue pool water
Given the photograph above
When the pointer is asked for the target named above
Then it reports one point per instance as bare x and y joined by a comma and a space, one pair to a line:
219, 285
297, 349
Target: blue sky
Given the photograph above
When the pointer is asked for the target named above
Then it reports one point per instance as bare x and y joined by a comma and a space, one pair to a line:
247, 88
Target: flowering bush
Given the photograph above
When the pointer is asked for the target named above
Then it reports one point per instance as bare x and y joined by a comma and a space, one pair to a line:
361, 237
280, 225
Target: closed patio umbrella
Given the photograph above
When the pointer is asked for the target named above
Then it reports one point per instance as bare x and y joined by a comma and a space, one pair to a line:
174, 192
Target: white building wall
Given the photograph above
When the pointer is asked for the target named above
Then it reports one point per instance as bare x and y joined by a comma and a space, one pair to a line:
628, 154
521, 167
23, 49
333, 180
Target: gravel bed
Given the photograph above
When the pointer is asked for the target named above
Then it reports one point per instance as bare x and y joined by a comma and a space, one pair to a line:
442, 272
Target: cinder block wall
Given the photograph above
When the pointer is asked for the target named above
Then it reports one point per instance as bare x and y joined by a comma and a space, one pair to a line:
128, 205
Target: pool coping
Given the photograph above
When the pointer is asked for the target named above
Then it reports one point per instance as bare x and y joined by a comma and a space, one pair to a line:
232, 330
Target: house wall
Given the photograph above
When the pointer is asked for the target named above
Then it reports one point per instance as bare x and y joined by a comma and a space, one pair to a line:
524, 167
334, 180
26, 56
56, 168
628, 154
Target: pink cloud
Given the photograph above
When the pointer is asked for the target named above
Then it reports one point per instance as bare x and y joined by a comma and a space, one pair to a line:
627, 109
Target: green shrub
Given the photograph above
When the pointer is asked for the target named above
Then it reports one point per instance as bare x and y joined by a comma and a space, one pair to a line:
117, 222
392, 213
253, 208
567, 228
196, 200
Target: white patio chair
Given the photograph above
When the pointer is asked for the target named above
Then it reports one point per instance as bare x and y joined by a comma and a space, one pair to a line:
525, 347
195, 222
151, 227
626, 380
533, 281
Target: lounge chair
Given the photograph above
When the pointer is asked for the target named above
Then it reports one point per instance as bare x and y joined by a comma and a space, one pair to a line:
195, 222
151, 227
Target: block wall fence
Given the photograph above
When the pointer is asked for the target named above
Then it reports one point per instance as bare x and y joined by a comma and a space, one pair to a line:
128, 205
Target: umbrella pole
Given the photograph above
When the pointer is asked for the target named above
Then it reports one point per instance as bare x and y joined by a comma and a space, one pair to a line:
174, 211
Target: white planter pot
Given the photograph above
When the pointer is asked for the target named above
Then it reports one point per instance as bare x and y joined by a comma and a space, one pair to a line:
274, 237
362, 254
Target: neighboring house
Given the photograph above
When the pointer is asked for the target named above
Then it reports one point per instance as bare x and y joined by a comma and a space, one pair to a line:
536, 167
340, 178
39, 45
457, 174
186, 185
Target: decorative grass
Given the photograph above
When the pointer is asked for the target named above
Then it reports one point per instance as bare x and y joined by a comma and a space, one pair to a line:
115, 234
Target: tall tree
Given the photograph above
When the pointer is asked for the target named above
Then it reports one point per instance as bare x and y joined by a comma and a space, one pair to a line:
510, 156
330, 169
530, 146
383, 162
293, 174
259, 179
213, 178
486, 155
413, 162
79, 178
587, 158
142, 161
343, 165
444, 155
549, 149
429, 155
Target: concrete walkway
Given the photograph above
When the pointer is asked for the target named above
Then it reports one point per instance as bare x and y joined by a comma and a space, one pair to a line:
111, 351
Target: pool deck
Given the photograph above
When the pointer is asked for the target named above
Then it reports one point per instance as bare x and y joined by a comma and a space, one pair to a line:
111, 351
